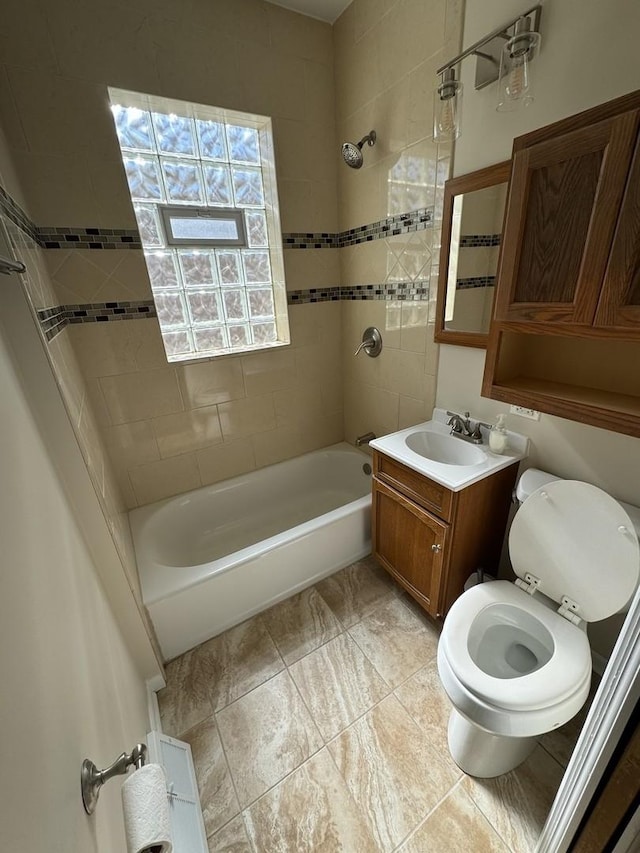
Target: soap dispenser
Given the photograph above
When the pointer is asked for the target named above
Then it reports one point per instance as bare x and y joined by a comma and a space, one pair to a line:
498, 438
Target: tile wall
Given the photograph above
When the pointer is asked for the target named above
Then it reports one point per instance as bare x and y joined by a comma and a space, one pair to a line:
170, 428
386, 55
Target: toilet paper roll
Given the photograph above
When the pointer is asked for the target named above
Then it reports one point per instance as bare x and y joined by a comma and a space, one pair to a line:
146, 811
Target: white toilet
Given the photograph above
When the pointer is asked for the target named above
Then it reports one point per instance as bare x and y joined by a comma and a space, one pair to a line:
514, 658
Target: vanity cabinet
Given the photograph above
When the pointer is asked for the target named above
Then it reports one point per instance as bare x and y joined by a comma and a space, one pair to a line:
565, 336
429, 538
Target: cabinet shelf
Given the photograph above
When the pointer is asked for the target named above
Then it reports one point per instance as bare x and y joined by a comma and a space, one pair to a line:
593, 380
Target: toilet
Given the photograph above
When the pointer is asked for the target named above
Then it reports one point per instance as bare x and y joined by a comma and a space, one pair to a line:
514, 658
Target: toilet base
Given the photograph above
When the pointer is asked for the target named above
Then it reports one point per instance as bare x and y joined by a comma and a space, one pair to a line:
483, 754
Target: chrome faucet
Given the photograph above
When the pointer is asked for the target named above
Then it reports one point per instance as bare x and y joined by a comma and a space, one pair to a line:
461, 427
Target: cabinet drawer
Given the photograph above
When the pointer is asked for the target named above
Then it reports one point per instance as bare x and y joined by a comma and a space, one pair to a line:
415, 486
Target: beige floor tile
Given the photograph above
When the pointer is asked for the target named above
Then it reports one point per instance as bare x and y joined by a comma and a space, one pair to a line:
184, 702
456, 824
338, 684
424, 698
237, 661
356, 590
232, 838
396, 641
517, 803
217, 795
267, 734
301, 624
311, 811
393, 773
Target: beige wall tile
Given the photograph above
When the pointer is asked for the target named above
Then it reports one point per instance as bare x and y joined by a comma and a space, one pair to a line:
165, 477
412, 411
402, 372
369, 409
57, 187
306, 268
296, 406
226, 461
185, 431
140, 396
211, 382
322, 432
104, 351
276, 445
242, 418
268, 371
132, 444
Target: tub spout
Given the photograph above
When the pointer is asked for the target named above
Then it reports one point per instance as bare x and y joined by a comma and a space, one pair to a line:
365, 439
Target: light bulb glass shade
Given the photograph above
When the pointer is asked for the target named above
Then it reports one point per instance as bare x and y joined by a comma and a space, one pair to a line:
447, 111
515, 83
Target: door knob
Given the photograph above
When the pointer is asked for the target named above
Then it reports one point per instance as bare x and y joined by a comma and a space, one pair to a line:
436, 548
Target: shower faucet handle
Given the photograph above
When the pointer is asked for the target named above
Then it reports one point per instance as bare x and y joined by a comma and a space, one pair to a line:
367, 342
371, 342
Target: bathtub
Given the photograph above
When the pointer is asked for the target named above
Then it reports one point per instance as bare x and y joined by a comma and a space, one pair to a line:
210, 558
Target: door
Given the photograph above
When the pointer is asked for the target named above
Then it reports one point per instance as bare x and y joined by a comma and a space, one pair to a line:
562, 210
410, 543
619, 305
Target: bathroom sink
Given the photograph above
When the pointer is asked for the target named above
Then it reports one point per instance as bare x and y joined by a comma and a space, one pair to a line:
430, 449
445, 449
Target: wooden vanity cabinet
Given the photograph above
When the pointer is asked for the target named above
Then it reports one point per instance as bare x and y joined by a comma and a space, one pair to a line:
565, 336
429, 538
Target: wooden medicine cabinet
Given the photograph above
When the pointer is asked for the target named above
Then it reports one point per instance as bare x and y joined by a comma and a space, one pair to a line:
565, 335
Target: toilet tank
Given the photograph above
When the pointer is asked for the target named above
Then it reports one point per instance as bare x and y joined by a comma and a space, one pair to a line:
533, 479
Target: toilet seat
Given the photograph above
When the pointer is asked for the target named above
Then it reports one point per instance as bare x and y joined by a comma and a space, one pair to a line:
565, 673
576, 542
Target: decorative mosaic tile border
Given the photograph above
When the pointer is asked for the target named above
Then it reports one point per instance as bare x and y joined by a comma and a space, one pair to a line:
50, 237
415, 291
54, 237
475, 281
403, 223
54, 320
471, 241
12, 210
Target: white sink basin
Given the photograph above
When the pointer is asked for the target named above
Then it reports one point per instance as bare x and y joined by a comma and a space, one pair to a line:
430, 449
445, 449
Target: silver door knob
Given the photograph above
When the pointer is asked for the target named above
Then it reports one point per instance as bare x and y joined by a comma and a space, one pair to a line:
436, 548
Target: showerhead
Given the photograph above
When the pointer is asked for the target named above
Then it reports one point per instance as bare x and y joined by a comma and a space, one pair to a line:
352, 153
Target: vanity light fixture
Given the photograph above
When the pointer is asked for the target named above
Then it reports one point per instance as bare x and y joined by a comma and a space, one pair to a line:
504, 55
447, 106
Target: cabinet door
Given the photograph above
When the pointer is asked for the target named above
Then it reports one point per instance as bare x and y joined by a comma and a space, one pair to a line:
619, 305
564, 201
410, 543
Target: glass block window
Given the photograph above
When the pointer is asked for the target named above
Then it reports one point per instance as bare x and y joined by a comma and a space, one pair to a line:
203, 187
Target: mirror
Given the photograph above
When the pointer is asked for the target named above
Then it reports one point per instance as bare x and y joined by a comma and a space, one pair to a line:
473, 215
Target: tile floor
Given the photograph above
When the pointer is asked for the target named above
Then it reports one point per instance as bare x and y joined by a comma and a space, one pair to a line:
320, 726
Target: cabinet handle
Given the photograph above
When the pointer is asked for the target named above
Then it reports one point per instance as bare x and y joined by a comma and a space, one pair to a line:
436, 548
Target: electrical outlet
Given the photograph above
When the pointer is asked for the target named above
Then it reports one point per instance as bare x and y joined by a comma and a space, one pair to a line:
532, 414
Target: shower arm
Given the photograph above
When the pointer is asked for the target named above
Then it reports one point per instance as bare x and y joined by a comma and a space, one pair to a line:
370, 139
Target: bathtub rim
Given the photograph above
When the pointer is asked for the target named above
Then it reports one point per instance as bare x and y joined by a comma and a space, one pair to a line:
160, 581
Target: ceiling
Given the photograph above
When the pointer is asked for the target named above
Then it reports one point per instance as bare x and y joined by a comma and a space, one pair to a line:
324, 10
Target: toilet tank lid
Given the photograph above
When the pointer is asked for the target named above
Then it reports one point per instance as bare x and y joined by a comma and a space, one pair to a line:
531, 480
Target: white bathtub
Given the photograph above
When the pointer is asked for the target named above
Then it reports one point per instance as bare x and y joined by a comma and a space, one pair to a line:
212, 557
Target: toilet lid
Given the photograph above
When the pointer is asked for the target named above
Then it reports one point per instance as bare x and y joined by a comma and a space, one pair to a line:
580, 543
